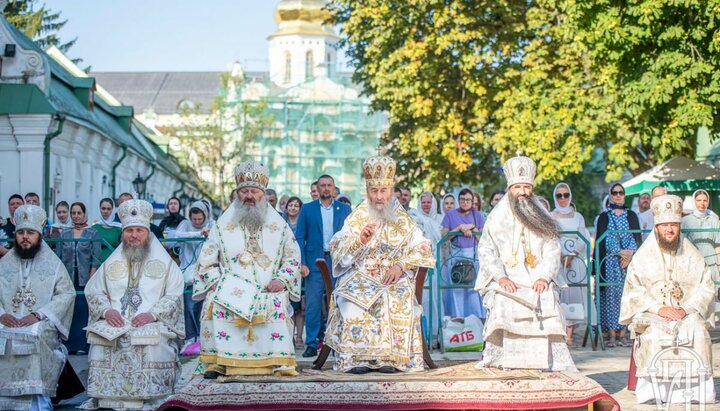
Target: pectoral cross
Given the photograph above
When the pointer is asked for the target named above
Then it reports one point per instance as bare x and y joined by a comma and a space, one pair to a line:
530, 259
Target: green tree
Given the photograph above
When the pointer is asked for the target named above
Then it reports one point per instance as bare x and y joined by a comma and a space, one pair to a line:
214, 138
40, 24
433, 65
465, 80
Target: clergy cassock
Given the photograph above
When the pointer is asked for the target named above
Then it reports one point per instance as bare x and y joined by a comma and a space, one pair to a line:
370, 324
32, 358
246, 329
134, 367
668, 352
517, 336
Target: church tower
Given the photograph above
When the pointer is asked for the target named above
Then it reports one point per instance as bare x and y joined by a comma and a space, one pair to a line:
301, 44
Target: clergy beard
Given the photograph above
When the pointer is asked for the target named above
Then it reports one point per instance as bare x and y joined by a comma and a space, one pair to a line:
534, 218
252, 217
28, 253
667, 246
138, 252
383, 214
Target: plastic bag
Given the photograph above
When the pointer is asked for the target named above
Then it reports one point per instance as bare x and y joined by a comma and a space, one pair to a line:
467, 336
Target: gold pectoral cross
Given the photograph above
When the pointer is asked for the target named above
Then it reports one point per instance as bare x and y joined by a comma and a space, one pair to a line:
530, 259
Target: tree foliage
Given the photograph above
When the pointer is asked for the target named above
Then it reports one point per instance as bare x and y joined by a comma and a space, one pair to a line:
464, 81
40, 24
214, 138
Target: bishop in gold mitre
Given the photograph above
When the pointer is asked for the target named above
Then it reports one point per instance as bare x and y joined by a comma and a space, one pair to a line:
247, 273
374, 324
519, 254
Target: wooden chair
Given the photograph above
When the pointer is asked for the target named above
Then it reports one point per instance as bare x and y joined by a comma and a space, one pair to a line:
327, 279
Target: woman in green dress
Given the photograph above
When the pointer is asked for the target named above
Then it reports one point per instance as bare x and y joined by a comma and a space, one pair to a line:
108, 228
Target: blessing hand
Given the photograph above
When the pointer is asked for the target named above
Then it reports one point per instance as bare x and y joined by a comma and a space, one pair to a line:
367, 233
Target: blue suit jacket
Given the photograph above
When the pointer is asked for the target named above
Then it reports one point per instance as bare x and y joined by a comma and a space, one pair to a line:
309, 233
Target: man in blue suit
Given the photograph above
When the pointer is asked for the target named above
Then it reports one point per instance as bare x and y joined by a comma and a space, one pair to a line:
319, 220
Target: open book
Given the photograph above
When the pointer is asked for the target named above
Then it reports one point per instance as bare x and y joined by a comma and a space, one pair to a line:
107, 331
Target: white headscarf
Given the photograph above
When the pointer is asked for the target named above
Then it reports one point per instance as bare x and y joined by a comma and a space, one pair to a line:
202, 205
110, 221
605, 202
697, 213
562, 210
442, 202
428, 222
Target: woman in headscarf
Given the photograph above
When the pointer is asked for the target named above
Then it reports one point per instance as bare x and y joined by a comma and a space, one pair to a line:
198, 225
82, 259
428, 220
614, 253
707, 242
173, 219
108, 228
448, 203
61, 223
573, 272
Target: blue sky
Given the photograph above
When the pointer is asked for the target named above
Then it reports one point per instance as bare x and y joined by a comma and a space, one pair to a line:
168, 35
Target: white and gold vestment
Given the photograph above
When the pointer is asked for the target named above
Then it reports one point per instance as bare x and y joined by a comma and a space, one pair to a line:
516, 336
31, 358
134, 367
656, 279
246, 329
370, 324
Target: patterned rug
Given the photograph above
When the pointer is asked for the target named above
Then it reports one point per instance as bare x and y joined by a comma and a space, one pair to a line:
449, 388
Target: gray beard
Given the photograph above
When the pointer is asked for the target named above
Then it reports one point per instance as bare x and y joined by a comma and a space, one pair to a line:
534, 218
667, 246
384, 215
252, 218
136, 253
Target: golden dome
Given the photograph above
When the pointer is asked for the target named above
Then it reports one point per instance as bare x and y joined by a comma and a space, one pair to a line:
302, 17
309, 11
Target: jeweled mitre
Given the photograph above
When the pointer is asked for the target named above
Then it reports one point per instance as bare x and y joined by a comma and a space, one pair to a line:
135, 213
252, 174
30, 217
520, 170
379, 171
667, 209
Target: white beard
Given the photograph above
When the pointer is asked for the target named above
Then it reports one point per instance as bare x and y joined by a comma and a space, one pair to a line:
252, 218
382, 215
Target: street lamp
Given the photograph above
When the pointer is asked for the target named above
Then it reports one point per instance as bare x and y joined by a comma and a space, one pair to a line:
139, 185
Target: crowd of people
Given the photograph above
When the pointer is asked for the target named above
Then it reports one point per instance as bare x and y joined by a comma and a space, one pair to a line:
244, 291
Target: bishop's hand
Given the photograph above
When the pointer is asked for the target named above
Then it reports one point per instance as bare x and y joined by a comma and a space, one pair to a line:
540, 286
114, 318
275, 286
392, 275
367, 233
507, 285
9, 320
143, 319
672, 313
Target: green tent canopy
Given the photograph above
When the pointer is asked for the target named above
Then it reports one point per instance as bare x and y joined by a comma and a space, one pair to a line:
677, 174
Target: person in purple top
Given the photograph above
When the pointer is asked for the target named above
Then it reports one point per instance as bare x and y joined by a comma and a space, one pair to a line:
461, 267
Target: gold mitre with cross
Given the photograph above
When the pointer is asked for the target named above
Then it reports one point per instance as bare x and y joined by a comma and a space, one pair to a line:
252, 174
379, 171
520, 170
30, 217
667, 209
135, 213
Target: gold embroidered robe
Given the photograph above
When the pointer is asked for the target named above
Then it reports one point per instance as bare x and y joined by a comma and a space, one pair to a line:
31, 358
681, 281
138, 369
371, 324
245, 329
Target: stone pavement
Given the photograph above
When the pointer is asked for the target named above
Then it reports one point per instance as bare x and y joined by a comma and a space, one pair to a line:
608, 368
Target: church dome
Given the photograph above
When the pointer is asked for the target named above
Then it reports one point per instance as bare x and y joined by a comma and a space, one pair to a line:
302, 17
310, 11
